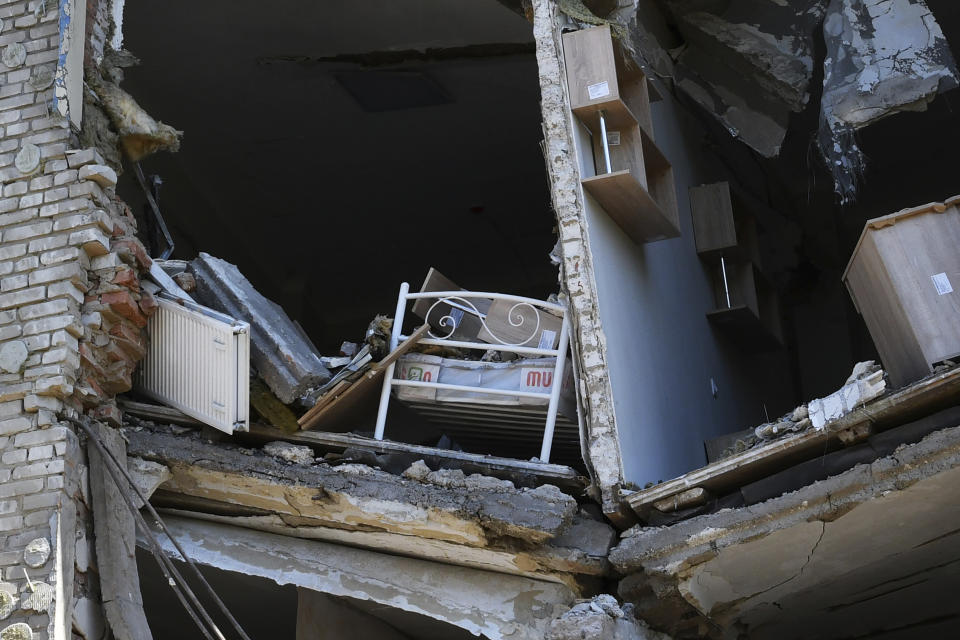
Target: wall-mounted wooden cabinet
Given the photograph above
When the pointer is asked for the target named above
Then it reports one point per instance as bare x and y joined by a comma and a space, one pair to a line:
721, 224
747, 308
746, 304
611, 99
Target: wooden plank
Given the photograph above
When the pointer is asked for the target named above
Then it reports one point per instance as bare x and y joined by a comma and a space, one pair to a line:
362, 390
157, 412
631, 207
725, 475
554, 473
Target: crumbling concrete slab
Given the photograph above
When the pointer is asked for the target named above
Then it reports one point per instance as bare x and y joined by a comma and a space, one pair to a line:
482, 602
355, 497
285, 360
783, 568
601, 618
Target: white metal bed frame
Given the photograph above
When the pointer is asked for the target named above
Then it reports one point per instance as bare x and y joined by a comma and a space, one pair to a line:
461, 300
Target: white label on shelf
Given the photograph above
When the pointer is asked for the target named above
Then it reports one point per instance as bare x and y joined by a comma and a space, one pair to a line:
942, 283
613, 138
546, 339
598, 90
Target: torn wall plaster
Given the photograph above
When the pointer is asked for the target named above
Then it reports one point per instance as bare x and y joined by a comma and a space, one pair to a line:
139, 134
492, 604
883, 57
601, 442
748, 63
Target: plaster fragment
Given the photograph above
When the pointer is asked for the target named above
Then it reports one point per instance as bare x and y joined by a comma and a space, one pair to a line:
14, 55
18, 631
8, 599
37, 552
12, 356
27, 160
41, 595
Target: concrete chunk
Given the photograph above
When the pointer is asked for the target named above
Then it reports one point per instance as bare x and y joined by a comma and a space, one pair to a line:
287, 362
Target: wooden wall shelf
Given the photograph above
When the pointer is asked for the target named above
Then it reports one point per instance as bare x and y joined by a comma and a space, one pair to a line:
630, 205
599, 78
752, 318
639, 191
721, 224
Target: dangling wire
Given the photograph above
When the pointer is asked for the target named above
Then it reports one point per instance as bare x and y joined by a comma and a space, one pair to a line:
171, 573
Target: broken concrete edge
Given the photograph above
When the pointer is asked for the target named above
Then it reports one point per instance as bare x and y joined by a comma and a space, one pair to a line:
600, 442
475, 511
601, 617
482, 602
671, 550
562, 565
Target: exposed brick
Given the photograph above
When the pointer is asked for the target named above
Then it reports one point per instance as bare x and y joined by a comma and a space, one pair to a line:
33, 438
22, 297
41, 452
124, 305
15, 425
13, 457
28, 231
148, 304
127, 277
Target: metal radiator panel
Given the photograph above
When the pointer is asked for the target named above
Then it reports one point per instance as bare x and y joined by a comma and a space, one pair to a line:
198, 362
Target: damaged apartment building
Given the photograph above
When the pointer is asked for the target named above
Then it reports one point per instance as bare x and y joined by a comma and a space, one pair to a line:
511, 319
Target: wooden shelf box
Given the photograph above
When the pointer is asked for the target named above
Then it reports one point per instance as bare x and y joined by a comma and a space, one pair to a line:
722, 227
639, 192
751, 318
904, 278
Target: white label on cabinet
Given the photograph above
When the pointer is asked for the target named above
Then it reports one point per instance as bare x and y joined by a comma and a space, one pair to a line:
942, 283
546, 339
613, 138
598, 90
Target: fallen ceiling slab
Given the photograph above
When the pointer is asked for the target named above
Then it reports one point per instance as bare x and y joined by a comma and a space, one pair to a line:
481, 602
473, 521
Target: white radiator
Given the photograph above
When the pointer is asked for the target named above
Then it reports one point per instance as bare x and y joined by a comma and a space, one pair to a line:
198, 362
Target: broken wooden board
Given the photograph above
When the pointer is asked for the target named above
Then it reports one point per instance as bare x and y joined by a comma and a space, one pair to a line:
723, 476
361, 391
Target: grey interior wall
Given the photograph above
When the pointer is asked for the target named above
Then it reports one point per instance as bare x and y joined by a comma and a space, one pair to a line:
662, 351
